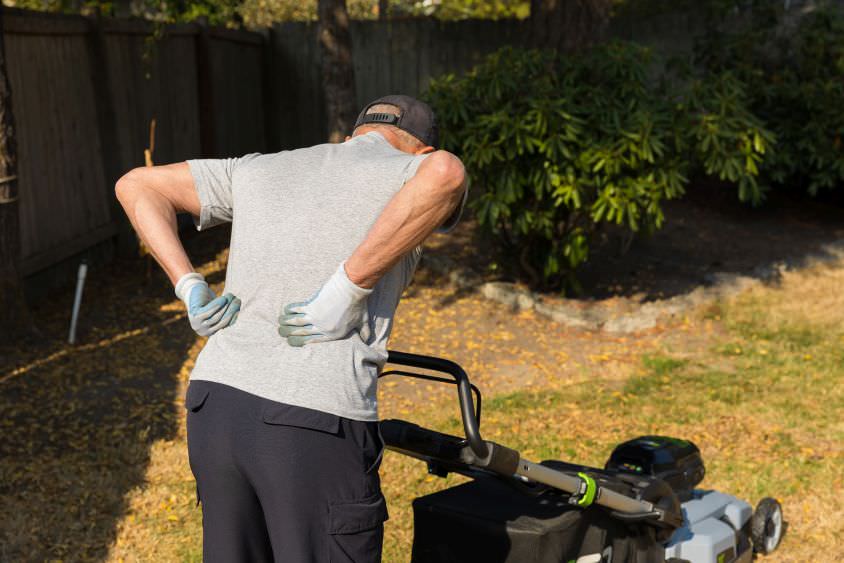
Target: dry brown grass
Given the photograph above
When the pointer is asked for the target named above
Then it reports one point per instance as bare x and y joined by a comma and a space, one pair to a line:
789, 448
95, 463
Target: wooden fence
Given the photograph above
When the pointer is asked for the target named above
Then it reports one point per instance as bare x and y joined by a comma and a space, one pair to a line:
84, 91
392, 57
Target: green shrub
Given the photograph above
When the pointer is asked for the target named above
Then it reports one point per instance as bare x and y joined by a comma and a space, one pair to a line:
793, 74
560, 147
722, 137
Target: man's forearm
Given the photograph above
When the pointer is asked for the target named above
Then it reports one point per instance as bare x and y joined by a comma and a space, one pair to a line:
154, 218
409, 218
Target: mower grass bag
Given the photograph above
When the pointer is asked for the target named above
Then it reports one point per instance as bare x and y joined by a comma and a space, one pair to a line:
492, 521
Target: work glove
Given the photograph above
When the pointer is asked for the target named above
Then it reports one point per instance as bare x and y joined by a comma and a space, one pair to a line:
207, 313
333, 312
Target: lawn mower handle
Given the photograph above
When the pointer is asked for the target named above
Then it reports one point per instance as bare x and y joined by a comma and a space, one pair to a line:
507, 462
464, 392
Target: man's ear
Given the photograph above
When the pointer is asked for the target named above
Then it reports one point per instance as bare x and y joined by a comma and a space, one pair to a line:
424, 150
348, 137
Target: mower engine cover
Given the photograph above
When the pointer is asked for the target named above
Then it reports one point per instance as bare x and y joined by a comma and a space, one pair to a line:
675, 461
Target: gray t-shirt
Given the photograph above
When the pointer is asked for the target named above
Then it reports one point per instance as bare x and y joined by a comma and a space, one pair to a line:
295, 216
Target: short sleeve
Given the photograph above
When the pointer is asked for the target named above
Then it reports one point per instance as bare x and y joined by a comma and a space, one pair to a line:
413, 167
213, 181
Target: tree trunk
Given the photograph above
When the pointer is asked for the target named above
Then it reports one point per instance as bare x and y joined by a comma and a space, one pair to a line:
568, 25
383, 6
15, 320
338, 73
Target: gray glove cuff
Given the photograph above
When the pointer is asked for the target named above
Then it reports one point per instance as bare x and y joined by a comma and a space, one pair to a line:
186, 282
348, 286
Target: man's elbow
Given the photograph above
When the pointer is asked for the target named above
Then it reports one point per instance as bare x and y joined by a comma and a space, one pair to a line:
449, 171
128, 183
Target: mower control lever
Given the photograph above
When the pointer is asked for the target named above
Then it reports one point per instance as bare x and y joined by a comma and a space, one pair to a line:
464, 393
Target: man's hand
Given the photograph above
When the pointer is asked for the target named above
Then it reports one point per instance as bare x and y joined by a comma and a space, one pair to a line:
333, 312
207, 313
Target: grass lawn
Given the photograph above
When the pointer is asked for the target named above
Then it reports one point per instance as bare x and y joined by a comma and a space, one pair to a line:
764, 402
755, 382
763, 399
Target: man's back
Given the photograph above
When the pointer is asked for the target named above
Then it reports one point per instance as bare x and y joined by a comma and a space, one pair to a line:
295, 216
281, 417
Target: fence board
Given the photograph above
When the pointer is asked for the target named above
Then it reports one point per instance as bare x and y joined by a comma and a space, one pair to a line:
297, 74
403, 41
237, 70
130, 96
381, 76
178, 126
423, 55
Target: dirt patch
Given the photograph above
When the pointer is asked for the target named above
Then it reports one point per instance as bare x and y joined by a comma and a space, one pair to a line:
710, 232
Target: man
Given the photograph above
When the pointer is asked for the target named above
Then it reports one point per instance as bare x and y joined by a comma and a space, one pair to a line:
282, 418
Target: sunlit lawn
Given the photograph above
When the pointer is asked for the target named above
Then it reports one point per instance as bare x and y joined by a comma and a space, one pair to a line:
763, 400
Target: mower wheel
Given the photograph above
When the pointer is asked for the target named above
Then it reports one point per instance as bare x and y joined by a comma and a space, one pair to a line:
766, 526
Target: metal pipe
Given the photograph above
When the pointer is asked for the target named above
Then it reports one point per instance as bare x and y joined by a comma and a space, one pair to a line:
77, 300
571, 484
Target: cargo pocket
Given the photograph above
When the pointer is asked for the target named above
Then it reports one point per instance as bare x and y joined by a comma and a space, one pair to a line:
373, 448
196, 396
357, 530
195, 399
301, 417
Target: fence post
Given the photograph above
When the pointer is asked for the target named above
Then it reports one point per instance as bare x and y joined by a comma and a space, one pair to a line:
205, 95
126, 243
272, 125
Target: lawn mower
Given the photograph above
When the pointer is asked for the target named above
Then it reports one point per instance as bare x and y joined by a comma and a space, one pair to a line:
642, 507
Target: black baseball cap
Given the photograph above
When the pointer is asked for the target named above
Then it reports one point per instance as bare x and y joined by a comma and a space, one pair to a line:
416, 117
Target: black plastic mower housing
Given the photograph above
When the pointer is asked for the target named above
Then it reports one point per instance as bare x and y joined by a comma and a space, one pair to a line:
677, 462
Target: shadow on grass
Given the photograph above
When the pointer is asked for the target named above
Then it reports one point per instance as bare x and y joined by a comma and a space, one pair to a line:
707, 235
79, 421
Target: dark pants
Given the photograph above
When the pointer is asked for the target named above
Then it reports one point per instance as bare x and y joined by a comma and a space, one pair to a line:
283, 483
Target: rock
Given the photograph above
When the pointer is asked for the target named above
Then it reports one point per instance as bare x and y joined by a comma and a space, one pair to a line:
645, 316
507, 293
630, 323
567, 316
